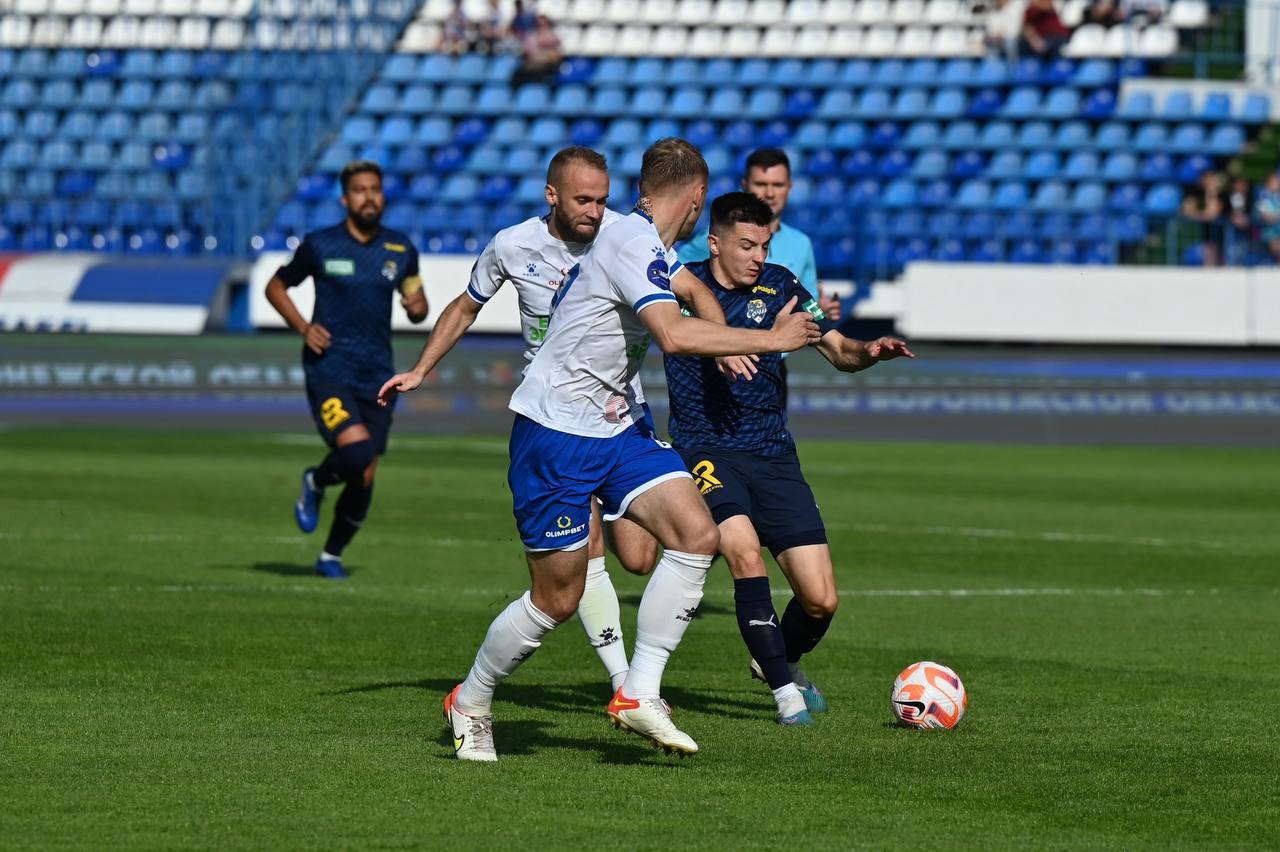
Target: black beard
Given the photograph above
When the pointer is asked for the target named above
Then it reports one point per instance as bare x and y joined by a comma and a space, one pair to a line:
366, 224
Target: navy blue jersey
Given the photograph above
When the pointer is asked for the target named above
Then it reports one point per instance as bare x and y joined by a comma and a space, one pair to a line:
708, 409
355, 284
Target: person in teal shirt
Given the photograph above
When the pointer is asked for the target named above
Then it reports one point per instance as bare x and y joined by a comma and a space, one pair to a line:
768, 177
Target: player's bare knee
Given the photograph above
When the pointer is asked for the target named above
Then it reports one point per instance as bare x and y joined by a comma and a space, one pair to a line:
559, 605
367, 477
640, 559
704, 538
745, 562
824, 606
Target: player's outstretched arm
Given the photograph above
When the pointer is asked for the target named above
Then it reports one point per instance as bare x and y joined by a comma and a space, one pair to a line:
695, 294
681, 335
458, 316
849, 355
316, 336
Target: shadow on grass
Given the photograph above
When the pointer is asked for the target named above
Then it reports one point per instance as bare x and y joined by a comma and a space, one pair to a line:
289, 569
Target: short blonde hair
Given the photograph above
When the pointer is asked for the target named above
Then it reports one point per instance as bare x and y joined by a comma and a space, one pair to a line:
671, 162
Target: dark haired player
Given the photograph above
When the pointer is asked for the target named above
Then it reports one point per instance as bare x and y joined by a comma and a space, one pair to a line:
733, 436
357, 266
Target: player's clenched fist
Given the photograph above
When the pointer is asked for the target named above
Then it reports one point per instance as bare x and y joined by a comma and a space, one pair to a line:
317, 338
399, 383
795, 329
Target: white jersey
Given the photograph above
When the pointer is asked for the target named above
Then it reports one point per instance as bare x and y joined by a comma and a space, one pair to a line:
535, 263
585, 376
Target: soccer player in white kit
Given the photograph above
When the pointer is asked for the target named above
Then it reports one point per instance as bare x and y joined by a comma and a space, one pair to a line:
535, 256
577, 436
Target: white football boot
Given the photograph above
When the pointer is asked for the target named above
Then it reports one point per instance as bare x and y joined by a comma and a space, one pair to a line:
650, 718
472, 735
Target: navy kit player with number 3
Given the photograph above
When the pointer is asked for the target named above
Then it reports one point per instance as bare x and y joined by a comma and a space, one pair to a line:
733, 436
357, 267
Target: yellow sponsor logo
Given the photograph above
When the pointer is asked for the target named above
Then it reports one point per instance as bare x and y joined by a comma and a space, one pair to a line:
563, 521
394, 247
760, 288
333, 414
704, 476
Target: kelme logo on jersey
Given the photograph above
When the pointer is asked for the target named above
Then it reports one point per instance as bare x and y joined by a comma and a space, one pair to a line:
814, 309
340, 266
389, 270
756, 311
659, 274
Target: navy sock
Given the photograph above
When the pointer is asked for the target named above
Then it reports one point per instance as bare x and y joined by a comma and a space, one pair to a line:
348, 514
344, 464
801, 631
758, 622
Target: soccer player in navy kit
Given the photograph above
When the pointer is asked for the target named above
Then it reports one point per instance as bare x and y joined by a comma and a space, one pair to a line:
733, 436
357, 266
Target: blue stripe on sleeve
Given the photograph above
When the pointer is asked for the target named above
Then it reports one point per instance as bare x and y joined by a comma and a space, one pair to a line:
651, 298
474, 295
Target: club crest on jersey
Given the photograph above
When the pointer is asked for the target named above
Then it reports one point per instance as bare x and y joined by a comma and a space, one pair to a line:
659, 274
756, 311
390, 270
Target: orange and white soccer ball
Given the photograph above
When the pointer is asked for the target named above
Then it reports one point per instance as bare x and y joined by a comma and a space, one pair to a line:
929, 695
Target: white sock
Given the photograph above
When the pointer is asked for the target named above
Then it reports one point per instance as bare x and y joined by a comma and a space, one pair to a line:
329, 557
789, 699
669, 604
602, 620
512, 638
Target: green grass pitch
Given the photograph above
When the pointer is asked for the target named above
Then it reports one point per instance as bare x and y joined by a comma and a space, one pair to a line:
172, 677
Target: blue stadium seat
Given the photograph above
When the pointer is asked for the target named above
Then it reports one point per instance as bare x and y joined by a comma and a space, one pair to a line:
682, 72
623, 133
648, 102
1151, 137
647, 71
774, 134
702, 133
1125, 198
922, 134
958, 72
1100, 105
978, 225
1130, 228
1190, 169
1138, 106
800, 104
1216, 107
400, 68
950, 251
153, 126
19, 93
930, 165
576, 70
1063, 251
1004, 165
973, 194
726, 104
448, 158
1093, 73
960, 135
922, 73
1023, 103
900, 193
847, 135
1080, 165
836, 104
739, 134
1093, 227
1176, 106
1072, 136
856, 72
507, 131
811, 134
396, 130
687, 103
472, 131
58, 94
943, 224
97, 155
659, 128
1016, 224
1027, 71
1088, 197
1061, 104
906, 223
585, 131
864, 192
358, 130
1041, 165
380, 99
818, 73
1055, 225
134, 156
611, 71
1188, 138
1035, 135
822, 164
40, 124
987, 251
892, 164
140, 64
858, 164
968, 164
531, 99
765, 103
494, 100
996, 136
886, 134
488, 159
986, 103
873, 104
1156, 168
1010, 195
909, 104
1227, 139
1162, 199
136, 95
471, 68
459, 188
948, 103
935, 194
1112, 136
424, 187
433, 132
1119, 167
1026, 251
890, 73
1256, 109
1100, 254
1050, 195
544, 131
717, 72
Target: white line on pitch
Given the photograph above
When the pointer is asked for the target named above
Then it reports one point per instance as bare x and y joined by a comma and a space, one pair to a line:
1019, 535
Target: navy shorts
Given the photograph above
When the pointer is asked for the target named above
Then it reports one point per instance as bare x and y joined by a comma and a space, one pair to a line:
336, 409
554, 475
769, 490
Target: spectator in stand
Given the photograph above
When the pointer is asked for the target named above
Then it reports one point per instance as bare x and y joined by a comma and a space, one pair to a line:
1203, 204
492, 31
525, 21
1268, 209
1106, 13
1043, 32
542, 54
457, 36
1238, 209
1002, 25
